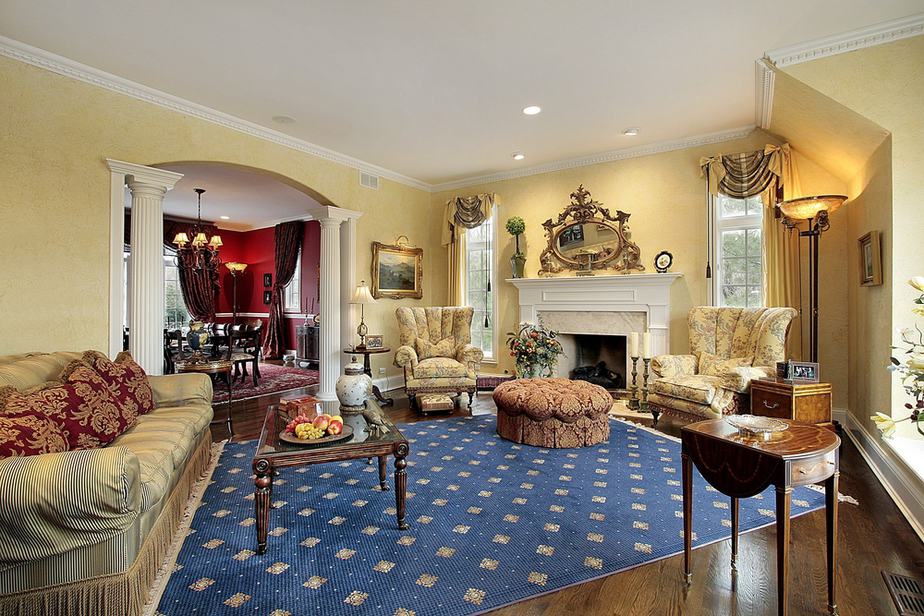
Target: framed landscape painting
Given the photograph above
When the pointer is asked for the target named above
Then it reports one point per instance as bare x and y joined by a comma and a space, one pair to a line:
870, 260
397, 271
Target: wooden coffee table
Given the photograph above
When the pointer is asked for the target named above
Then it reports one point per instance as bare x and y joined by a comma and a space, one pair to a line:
740, 468
273, 453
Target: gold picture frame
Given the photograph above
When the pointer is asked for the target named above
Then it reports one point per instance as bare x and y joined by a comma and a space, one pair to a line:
397, 271
870, 259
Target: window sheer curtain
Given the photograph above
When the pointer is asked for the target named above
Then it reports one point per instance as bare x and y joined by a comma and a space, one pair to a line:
770, 173
462, 213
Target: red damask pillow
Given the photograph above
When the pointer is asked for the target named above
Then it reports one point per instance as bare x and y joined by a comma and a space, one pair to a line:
28, 433
126, 380
82, 408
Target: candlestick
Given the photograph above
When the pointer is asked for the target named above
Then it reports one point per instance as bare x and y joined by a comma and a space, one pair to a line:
633, 399
633, 345
643, 403
646, 345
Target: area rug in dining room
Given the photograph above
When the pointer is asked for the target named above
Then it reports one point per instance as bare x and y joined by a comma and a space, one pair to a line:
273, 379
492, 523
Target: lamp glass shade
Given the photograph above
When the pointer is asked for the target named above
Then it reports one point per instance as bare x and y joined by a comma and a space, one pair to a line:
236, 268
215, 241
809, 207
200, 239
362, 295
181, 239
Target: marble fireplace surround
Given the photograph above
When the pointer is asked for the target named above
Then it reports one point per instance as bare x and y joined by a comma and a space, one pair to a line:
608, 305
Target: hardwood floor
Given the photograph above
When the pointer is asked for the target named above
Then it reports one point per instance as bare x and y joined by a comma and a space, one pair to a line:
873, 536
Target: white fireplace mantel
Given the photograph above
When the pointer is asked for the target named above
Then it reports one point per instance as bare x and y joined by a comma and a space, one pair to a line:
634, 293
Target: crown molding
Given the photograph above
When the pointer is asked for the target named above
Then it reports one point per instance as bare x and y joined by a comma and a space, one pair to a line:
763, 99
63, 66
870, 36
147, 175
603, 157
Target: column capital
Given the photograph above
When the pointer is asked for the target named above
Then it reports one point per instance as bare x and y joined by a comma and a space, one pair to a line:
330, 223
142, 175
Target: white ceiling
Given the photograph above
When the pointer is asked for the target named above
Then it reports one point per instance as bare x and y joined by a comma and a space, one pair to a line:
249, 198
434, 90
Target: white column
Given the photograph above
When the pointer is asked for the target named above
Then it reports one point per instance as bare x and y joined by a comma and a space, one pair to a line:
348, 312
329, 344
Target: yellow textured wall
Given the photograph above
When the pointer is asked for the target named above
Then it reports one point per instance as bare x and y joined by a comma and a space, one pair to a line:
886, 85
54, 202
664, 193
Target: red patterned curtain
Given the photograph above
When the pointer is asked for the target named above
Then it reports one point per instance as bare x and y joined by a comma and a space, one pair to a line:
288, 249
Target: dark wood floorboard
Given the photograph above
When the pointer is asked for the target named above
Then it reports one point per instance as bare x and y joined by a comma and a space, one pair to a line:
873, 537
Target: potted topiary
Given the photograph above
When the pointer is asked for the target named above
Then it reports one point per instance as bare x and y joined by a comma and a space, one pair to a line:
516, 227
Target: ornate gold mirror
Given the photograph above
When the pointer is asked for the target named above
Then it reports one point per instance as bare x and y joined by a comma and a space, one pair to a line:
586, 237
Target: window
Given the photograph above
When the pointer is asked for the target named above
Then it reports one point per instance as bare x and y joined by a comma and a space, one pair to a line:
292, 297
738, 276
175, 314
479, 278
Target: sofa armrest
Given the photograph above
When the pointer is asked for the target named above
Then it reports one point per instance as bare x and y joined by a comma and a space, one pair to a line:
177, 389
56, 502
666, 366
739, 379
406, 357
469, 355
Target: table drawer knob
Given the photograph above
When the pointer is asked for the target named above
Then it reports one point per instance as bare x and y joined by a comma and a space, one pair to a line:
771, 405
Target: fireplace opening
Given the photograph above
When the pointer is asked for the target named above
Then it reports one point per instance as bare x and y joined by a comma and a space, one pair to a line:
598, 359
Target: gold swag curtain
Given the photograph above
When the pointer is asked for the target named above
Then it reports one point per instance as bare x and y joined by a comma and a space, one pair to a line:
462, 213
770, 173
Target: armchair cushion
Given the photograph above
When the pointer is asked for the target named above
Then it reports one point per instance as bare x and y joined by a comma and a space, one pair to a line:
674, 365
739, 379
427, 349
468, 354
714, 365
439, 367
692, 387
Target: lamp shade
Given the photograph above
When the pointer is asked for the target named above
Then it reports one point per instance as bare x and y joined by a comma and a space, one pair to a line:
216, 241
181, 239
809, 207
362, 295
200, 239
236, 268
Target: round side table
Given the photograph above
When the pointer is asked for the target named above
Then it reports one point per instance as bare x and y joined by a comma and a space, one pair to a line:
215, 368
367, 368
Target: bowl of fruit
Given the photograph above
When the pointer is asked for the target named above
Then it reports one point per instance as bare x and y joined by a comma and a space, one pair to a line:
319, 430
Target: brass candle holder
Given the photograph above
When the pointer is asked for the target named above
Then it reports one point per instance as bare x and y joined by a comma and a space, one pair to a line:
634, 403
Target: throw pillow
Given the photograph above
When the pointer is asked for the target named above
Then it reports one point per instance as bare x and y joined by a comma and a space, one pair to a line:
126, 380
26, 432
443, 348
713, 365
83, 409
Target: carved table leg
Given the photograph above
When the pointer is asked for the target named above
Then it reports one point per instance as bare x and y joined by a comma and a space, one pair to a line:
687, 466
734, 533
831, 527
401, 485
263, 492
383, 466
782, 548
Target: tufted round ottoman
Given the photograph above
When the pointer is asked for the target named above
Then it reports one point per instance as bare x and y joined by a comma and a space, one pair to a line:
552, 412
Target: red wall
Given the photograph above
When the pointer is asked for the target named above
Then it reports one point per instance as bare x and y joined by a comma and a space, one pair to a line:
256, 249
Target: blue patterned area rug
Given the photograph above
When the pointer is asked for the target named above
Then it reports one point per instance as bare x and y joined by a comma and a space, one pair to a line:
492, 523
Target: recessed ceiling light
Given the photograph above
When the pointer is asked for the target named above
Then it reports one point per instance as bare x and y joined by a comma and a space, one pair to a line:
225, 217
532, 109
630, 132
283, 119
518, 155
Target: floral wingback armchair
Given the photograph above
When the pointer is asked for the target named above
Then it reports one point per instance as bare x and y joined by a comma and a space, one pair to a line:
435, 351
729, 347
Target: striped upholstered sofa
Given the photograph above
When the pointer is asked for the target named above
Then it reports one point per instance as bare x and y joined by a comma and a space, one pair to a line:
84, 532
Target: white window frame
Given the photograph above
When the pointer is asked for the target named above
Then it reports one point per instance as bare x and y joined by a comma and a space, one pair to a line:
735, 223
292, 294
476, 322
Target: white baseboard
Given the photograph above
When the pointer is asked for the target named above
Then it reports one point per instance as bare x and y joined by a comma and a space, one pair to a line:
904, 487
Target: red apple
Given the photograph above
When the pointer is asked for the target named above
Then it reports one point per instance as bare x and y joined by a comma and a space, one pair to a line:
321, 422
335, 426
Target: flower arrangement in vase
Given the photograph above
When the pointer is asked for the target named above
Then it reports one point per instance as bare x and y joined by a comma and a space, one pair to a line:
534, 349
911, 370
516, 227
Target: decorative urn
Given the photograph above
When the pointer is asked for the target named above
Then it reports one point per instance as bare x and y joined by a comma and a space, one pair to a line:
353, 388
197, 337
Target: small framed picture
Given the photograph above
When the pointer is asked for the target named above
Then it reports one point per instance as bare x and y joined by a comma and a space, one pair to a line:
663, 261
267, 280
870, 260
267, 297
798, 371
375, 341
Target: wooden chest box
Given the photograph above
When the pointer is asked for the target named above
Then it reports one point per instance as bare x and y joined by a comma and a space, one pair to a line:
805, 402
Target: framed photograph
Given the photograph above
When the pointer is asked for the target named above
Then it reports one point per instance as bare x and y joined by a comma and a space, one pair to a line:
798, 371
375, 341
267, 297
397, 271
870, 260
663, 261
267, 280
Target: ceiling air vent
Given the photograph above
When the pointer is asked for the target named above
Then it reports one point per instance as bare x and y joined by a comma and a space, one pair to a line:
368, 180
907, 593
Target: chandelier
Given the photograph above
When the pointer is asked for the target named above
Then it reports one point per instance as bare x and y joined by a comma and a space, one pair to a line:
201, 253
